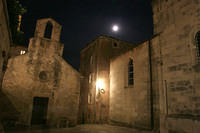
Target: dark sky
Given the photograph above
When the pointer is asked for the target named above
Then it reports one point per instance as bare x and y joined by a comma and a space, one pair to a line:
84, 20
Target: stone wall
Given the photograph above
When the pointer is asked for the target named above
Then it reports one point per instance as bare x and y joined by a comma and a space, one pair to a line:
5, 41
131, 104
5, 37
124, 99
178, 22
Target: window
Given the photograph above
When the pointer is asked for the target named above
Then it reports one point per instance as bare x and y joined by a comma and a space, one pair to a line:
197, 41
43, 76
130, 72
48, 30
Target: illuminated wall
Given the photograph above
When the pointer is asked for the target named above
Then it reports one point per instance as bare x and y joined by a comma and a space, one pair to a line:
130, 104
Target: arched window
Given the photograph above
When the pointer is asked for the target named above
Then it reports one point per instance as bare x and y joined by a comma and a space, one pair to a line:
197, 41
130, 72
48, 30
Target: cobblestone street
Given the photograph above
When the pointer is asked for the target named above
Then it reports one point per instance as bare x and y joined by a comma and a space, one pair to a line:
85, 129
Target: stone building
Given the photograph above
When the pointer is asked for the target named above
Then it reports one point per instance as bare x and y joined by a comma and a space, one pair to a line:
5, 41
178, 23
134, 87
5, 37
42, 87
160, 88
153, 85
95, 69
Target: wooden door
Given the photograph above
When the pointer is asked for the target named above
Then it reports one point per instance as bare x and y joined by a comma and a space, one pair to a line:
39, 113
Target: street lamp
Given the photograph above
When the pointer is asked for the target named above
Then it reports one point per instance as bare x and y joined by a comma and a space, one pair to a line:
100, 86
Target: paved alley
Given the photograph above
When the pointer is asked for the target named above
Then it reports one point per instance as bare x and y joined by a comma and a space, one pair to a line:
85, 129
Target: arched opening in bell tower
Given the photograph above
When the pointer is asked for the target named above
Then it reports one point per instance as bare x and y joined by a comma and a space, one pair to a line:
48, 30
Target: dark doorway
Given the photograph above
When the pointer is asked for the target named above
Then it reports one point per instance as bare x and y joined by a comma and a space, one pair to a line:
39, 113
83, 119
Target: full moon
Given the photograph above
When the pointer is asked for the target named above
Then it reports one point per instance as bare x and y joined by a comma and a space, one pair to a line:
115, 28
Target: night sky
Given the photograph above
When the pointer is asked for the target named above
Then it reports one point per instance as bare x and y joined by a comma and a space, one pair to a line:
84, 20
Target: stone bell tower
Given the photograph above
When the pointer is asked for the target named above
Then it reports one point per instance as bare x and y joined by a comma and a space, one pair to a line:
46, 39
44, 48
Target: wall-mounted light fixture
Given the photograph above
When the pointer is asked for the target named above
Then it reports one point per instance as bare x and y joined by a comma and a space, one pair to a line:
22, 52
100, 86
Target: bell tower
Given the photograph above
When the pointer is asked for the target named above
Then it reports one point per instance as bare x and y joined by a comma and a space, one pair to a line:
47, 38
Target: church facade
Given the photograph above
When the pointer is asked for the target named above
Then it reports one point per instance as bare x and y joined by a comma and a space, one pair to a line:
42, 87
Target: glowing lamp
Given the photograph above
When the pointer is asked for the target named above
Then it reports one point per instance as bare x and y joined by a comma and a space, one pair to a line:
100, 87
99, 84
